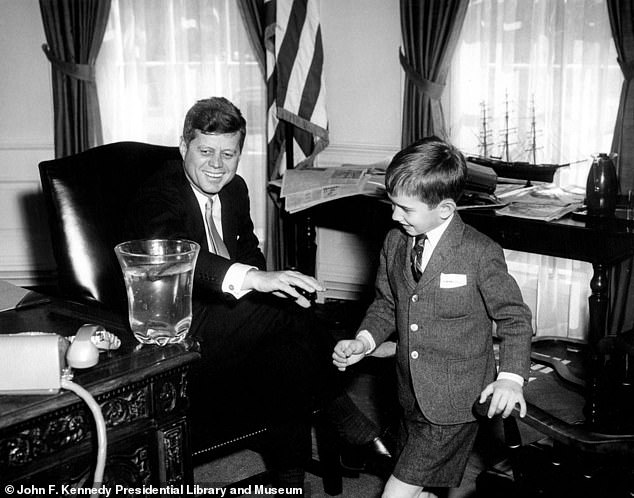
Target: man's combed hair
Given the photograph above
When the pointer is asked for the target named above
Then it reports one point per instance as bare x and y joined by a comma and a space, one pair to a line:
215, 115
429, 169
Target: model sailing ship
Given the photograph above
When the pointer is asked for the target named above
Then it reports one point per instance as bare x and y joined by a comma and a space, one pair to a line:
502, 164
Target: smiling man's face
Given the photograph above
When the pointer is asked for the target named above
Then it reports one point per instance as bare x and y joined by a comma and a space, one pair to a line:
211, 160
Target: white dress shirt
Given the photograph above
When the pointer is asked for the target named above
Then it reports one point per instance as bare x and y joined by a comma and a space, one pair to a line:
232, 283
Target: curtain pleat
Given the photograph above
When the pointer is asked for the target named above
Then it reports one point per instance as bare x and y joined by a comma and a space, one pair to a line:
252, 12
622, 24
74, 31
430, 31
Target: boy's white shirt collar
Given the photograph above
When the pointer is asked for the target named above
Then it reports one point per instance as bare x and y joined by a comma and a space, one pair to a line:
434, 235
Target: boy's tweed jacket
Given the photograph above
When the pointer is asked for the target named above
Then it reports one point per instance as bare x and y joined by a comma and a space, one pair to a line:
444, 322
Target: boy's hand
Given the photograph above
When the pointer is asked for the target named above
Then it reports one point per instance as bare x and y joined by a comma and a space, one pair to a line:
348, 352
505, 394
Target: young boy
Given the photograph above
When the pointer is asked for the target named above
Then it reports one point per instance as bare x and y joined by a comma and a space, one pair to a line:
440, 285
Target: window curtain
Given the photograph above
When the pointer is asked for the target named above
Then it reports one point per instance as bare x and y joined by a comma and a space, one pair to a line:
430, 31
160, 56
74, 31
252, 12
553, 62
621, 16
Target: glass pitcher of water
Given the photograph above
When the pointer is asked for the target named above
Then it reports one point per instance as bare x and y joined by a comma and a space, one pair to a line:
159, 277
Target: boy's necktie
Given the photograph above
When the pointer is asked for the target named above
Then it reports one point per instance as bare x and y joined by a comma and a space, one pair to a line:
417, 256
218, 245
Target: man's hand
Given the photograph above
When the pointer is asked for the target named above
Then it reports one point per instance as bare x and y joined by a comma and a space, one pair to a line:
283, 284
505, 394
348, 352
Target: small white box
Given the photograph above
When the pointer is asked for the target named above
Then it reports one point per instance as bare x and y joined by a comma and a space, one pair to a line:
31, 363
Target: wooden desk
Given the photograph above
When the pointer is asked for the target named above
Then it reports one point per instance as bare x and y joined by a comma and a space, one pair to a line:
142, 391
603, 244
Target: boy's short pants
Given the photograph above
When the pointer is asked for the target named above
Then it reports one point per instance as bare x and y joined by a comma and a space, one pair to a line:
433, 455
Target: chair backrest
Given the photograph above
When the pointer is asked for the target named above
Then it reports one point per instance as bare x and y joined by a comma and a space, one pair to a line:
86, 196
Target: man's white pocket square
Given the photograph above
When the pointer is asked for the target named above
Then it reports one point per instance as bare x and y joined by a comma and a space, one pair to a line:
452, 280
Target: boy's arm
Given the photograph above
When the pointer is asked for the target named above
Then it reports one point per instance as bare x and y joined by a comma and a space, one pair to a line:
504, 303
380, 318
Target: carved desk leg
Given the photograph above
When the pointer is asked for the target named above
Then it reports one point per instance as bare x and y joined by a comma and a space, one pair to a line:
598, 308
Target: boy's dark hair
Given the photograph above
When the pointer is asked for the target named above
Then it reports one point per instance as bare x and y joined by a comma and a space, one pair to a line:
213, 116
430, 169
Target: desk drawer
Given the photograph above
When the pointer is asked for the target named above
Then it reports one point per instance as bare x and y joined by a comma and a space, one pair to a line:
131, 461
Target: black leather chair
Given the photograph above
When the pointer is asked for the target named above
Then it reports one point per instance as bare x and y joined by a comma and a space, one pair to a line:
86, 196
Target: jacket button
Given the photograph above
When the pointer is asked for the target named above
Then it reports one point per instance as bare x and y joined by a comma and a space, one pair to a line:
413, 327
414, 355
415, 298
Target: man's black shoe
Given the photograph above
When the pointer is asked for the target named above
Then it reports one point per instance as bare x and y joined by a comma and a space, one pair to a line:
373, 457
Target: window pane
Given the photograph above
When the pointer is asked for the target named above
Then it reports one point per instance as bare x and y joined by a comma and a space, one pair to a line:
160, 56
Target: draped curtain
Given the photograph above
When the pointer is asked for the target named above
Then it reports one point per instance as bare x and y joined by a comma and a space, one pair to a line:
621, 16
552, 64
430, 30
160, 56
74, 31
252, 12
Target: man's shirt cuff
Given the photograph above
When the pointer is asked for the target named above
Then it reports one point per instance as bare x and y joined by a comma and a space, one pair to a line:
511, 376
368, 337
234, 278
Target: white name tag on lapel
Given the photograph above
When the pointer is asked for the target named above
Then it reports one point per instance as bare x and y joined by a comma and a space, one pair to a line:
452, 280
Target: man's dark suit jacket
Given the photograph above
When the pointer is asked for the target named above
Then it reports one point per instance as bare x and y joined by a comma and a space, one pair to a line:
166, 207
257, 361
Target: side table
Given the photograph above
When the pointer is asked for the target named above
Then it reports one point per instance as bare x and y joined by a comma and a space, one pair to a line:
50, 440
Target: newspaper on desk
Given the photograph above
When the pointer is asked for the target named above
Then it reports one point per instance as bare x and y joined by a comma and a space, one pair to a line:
304, 188
542, 202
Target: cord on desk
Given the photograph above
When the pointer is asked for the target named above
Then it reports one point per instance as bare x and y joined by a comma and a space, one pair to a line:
100, 424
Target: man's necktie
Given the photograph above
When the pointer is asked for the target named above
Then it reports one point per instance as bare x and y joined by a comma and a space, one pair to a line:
218, 245
417, 256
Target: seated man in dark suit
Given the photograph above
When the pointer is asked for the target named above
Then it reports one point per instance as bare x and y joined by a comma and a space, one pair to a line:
262, 357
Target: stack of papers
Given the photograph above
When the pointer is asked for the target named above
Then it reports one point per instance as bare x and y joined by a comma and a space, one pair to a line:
546, 202
304, 188
10, 295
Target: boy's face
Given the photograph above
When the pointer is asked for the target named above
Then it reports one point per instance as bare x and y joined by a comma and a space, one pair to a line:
416, 217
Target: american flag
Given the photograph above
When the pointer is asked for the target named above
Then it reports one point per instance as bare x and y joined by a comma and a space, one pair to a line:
295, 84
